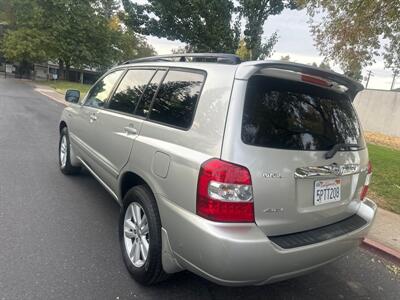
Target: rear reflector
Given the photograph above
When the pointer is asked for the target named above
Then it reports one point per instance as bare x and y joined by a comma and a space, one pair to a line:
314, 80
224, 192
364, 189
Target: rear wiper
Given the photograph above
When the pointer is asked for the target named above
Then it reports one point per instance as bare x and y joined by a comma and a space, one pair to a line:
331, 153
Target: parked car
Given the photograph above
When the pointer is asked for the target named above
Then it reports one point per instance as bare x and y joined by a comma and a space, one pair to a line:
243, 173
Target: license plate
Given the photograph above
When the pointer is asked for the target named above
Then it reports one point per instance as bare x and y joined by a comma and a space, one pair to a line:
326, 191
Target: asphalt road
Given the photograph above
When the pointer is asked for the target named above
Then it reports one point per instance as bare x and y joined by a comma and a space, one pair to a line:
58, 234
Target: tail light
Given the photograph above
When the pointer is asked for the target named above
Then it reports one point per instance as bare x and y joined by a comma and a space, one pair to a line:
224, 192
364, 189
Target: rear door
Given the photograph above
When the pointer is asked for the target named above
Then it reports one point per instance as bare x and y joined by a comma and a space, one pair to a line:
281, 130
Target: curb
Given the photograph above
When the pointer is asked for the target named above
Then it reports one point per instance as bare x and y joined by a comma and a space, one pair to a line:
51, 97
392, 253
38, 89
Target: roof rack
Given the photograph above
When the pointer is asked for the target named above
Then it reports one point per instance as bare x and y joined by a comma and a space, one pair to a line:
220, 58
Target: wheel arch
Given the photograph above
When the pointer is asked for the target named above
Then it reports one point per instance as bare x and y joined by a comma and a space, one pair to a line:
129, 180
62, 125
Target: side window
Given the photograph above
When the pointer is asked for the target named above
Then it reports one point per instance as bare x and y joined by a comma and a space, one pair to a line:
177, 97
128, 93
144, 105
101, 90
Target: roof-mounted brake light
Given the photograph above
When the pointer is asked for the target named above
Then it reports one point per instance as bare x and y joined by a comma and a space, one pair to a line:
315, 80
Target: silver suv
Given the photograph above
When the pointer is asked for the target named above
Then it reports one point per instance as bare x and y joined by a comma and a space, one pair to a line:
243, 173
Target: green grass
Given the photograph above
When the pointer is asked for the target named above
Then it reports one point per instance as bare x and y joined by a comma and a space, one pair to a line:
385, 185
61, 86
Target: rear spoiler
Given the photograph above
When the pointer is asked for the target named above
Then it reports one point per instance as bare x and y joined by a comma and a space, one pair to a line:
247, 69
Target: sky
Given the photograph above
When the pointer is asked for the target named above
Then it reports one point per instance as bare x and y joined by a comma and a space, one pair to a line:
296, 41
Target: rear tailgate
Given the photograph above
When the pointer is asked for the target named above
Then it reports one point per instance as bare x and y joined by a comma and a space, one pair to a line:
280, 125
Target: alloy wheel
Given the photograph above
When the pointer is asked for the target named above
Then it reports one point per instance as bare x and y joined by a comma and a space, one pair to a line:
136, 234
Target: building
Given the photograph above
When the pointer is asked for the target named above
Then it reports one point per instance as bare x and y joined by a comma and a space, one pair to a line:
51, 71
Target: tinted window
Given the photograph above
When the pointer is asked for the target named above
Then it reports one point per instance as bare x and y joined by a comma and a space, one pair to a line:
102, 89
176, 99
144, 105
293, 115
128, 93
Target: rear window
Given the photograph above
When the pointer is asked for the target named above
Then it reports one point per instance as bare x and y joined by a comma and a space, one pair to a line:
297, 116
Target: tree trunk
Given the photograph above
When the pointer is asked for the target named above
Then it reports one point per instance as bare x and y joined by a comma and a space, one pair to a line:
81, 77
67, 66
61, 69
393, 81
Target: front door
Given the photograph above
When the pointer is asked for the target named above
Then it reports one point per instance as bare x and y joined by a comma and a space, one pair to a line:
85, 121
117, 126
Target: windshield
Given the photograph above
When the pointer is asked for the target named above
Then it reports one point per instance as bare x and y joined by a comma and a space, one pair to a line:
297, 116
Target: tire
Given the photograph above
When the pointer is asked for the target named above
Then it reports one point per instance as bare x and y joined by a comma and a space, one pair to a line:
64, 154
145, 270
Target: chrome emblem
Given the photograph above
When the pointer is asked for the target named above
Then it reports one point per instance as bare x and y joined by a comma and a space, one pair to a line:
328, 170
273, 210
271, 175
344, 169
335, 169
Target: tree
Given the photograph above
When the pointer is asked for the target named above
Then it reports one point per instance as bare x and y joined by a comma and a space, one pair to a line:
75, 33
14, 12
353, 70
82, 37
182, 50
354, 33
6, 12
267, 48
109, 8
208, 25
256, 12
205, 25
285, 58
24, 45
131, 46
323, 65
242, 51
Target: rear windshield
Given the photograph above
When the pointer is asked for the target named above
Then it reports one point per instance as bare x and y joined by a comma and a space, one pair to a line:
293, 115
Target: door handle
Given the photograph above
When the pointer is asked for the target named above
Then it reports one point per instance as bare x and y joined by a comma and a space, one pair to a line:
130, 130
93, 117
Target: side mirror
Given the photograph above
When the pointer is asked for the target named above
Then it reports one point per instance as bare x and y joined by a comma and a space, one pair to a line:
72, 96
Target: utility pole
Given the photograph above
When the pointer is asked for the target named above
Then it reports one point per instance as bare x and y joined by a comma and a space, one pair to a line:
394, 80
368, 77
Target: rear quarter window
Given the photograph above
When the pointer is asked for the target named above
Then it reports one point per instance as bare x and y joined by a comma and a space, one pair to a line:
297, 116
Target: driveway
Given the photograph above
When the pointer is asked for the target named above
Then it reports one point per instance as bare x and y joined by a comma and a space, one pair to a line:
58, 234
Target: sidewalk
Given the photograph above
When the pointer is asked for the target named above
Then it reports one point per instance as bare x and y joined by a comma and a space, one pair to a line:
385, 231
48, 91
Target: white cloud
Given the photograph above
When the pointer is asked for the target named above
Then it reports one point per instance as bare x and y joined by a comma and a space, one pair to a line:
296, 41
293, 32
162, 45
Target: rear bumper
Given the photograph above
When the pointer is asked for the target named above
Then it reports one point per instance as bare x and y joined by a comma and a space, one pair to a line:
241, 254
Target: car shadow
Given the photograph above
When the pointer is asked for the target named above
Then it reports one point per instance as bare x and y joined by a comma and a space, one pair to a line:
338, 280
